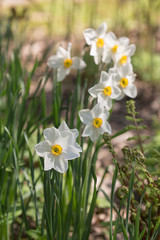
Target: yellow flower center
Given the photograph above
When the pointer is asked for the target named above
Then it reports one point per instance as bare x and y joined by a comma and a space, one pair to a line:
123, 59
124, 82
67, 62
100, 42
56, 149
107, 91
97, 122
114, 49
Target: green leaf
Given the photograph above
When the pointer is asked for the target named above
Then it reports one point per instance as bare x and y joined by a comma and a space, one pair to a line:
35, 234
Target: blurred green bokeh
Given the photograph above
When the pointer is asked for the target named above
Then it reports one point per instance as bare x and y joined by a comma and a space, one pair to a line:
65, 20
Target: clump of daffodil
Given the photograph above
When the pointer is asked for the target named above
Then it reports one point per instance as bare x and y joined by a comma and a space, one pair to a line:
58, 147
118, 50
96, 39
124, 78
95, 121
63, 62
105, 90
106, 47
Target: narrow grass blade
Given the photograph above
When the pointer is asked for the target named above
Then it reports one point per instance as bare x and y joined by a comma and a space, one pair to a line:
131, 183
112, 199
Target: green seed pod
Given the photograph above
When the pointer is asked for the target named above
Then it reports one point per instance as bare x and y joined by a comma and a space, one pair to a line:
130, 105
139, 155
106, 137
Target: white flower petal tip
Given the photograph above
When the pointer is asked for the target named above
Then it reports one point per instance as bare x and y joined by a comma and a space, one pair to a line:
95, 121
101, 29
58, 147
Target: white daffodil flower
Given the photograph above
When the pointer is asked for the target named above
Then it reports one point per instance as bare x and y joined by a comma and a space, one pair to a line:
63, 62
124, 78
124, 56
105, 90
58, 147
96, 38
96, 122
113, 46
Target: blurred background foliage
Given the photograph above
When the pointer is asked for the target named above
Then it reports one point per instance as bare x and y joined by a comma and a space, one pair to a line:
36, 26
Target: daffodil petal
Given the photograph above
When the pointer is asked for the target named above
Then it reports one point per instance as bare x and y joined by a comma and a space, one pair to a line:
131, 91
60, 165
71, 153
104, 76
95, 135
85, 116
77, 147
65, 139
105, 101
130, 50
97, 59
48, 162
42, 148
97, 110
94, 51
121, 96
64, 128
54, 62
124, 41
115, 92
62, 53
90, 35
126, 69
78, 63
107, 127
51, 134
106, 58
104, 115
95, 90
110, 38
101, 30
61, 73
88, 130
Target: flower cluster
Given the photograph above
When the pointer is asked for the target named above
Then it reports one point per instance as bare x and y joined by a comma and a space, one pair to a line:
60, 144
106, 47
115, 84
